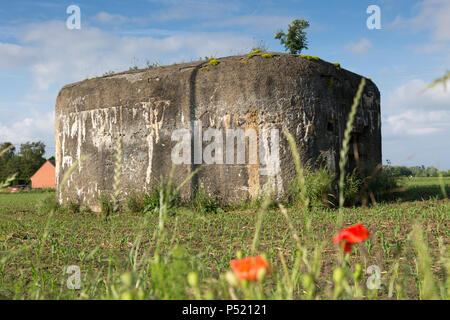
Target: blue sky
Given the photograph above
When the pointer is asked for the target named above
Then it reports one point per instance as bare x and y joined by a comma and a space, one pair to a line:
38, 55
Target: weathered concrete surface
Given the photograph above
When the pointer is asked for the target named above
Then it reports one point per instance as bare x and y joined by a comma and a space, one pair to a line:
310, 99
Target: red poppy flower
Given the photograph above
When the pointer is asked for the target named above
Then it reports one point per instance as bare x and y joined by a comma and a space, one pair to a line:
349, 236
248, 268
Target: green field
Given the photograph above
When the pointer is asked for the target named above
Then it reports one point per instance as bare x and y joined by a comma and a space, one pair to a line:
425, 181
422, 188
152, 256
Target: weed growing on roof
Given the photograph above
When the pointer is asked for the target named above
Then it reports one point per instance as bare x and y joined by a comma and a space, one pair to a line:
308, 57
213, 62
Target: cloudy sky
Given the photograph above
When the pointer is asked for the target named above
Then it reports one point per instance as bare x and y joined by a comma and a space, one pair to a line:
39, 54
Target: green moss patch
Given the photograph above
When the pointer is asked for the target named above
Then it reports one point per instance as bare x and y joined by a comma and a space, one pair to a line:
213, 62
308, 57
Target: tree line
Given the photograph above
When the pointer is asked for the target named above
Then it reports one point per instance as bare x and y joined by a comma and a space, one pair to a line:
23, 162
416, 171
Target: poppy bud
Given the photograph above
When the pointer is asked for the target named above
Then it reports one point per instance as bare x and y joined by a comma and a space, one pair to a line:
358, 272
126, 296
209, 295
231, 279
261, 274
338, 275
307, 281
192, 279
127, 279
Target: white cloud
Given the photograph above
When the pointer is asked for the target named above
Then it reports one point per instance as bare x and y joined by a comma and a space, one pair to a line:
37, 127
412, 95
433, 15
417, 122
411, 111
253, 21
108, 18
56, 55
198, 10
360, 47
14, 56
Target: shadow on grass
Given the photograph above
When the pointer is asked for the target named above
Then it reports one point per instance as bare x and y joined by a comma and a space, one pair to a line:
417, 193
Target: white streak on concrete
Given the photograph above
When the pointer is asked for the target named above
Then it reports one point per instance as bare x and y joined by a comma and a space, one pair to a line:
150, 114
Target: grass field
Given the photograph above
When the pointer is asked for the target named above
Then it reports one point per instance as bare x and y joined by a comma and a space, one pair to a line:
422, 188
184, 255
424, 181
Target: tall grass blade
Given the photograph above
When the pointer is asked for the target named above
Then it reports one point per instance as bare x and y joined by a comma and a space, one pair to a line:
346, 141
304, 201
425, 273
442, 80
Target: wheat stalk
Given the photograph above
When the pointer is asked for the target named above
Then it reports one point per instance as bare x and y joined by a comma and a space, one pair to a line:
345, 143
299, 168
6, 183
442, 80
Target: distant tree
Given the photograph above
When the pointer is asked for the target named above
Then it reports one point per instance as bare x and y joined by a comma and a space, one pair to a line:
32, 158
6, 148
14, 166
417, 171
432, 172
422, 171
401, 171
295, 40
23, 163
6, 153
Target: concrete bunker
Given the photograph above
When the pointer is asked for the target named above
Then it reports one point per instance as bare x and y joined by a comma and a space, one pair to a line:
144, 108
